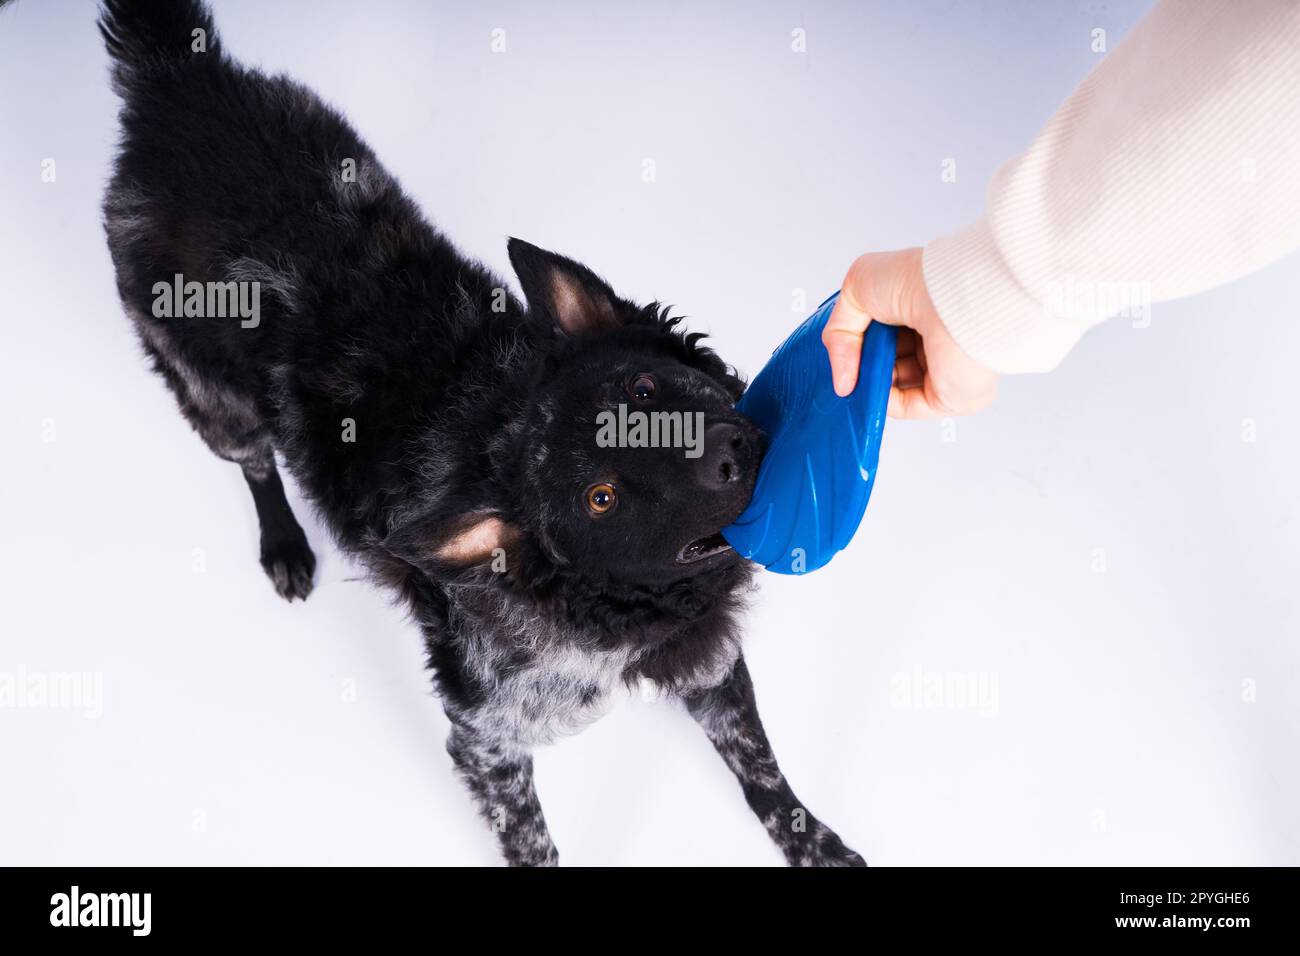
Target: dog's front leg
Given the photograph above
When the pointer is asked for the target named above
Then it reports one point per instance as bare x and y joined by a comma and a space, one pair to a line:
500, 778
729, 716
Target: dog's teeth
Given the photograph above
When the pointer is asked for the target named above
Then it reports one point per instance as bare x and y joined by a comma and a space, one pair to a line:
702, 548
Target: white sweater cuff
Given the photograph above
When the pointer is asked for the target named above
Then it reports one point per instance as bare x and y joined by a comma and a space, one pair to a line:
994, 319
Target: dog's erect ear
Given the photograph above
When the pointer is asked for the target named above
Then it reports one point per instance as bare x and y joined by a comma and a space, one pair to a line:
481, 537
568, 293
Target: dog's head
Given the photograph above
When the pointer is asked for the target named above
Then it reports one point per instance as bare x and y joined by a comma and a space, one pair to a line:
627, 456
636, 457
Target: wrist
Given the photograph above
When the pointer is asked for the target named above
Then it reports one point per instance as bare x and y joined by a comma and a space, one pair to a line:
994, 319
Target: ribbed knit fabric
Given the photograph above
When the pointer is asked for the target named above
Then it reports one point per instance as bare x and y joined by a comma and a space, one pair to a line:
1174, 167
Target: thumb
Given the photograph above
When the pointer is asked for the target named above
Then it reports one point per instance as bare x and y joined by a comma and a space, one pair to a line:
842, 337
876, 287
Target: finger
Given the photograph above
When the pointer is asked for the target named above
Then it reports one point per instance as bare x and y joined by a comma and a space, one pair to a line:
879, 286
908, 342
883, 285
911, 403
908, 372
843, 340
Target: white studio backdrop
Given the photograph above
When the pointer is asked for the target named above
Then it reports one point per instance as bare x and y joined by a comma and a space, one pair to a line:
1106, 557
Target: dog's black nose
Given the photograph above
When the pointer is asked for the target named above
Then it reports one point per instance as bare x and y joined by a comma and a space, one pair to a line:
727, 457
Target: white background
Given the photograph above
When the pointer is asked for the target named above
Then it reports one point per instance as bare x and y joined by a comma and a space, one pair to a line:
1119, 733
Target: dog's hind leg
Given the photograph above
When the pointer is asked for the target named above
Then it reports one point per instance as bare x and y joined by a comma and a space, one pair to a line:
728, 714
285, 554
500, 778
228, 422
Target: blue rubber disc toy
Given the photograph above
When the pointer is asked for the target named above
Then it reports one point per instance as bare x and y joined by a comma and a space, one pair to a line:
815, 480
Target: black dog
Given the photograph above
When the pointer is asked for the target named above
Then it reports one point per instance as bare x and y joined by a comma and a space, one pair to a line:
447, 434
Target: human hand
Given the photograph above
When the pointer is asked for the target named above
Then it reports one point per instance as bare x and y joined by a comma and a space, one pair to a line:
933, 377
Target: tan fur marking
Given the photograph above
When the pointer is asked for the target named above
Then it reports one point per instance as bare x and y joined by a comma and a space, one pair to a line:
475, 543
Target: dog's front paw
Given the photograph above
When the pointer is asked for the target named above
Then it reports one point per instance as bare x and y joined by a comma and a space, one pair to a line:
290, 564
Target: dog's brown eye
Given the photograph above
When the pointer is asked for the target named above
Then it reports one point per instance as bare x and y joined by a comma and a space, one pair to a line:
601, 498
642, 388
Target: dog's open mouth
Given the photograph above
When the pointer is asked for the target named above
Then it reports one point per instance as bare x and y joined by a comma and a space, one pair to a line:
702, 548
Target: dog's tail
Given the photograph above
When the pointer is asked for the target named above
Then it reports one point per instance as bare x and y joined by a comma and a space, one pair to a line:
143, 36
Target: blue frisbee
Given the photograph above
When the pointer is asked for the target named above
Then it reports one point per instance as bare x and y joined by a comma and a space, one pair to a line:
816, 477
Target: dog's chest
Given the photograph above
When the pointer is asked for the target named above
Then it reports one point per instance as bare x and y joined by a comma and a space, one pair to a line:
548, 694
